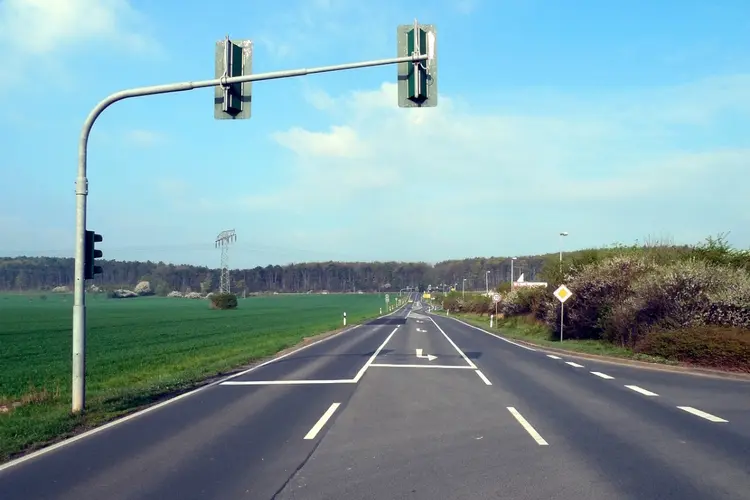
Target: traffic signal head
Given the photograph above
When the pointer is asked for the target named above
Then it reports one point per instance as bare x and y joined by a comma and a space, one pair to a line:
417, 81
233, 58
90, 254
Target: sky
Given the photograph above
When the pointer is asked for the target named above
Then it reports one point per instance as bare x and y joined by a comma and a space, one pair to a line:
618, 122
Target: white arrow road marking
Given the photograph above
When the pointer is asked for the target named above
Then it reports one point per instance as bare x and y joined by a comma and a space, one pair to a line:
420, 330
430, 357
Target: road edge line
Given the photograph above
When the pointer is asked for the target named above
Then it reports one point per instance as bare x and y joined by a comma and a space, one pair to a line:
125, 418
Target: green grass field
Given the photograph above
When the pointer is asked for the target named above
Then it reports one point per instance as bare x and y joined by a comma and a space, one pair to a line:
140, 349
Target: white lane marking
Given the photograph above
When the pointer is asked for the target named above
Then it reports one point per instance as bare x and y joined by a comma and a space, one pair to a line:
470, 363
428, 357
641, 390
396, 365
603, 375
137, 414
322, 421
573, 364
484, 379
702, 414
493, 334
553, 356
288, 382
374, 355
534, 434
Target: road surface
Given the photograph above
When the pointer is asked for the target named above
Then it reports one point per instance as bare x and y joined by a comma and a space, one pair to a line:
418, 406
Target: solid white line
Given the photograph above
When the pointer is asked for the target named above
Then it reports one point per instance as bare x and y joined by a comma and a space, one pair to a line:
287, 382
362, 370
642, 391
493, 334
702, 414
139, 413
573, 364
454, 345
322, 421
553, 356
396, 365
484, 379
534, 434
603, 375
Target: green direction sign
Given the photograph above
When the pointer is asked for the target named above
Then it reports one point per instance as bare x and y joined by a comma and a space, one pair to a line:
233, 58
417, 82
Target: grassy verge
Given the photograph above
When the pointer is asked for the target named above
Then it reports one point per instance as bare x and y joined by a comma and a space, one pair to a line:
140, 351
521, 328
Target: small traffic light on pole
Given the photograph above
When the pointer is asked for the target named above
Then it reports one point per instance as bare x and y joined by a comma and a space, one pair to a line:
417, 81
90, 254
233, 58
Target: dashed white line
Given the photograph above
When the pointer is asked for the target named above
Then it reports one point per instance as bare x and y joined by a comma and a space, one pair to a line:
602, 375
574, 364
641, 390
702, 414
553, 356
322, 421
484, 379
532, 432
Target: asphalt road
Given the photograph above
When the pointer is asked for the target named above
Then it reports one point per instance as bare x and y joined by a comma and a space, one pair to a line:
423, 407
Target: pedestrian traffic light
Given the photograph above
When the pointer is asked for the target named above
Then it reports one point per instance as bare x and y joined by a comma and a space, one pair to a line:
91, 253
417, 81
233, 58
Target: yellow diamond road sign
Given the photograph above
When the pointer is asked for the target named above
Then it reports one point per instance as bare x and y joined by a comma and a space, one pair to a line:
562, 293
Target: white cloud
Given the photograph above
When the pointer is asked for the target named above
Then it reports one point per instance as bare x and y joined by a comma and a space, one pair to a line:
621, 149
144, 138
35, 31
340, 142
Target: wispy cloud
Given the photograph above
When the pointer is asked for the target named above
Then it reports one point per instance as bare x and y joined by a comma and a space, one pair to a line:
144, 138
618, 148
34, 30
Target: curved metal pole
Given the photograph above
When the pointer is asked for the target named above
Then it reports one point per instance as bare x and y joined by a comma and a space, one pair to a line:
79, 285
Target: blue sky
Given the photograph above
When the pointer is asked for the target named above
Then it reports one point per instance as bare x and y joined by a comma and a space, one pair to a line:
616, 121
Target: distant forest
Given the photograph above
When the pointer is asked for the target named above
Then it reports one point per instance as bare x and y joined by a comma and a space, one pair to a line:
44, 273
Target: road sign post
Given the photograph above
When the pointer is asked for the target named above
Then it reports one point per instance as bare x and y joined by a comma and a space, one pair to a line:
417, 80
236, 102
496, 299
562, 293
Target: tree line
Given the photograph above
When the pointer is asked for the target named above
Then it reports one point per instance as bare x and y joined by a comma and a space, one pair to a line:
44, 273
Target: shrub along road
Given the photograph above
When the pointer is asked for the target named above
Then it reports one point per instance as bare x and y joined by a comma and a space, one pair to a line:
419, 406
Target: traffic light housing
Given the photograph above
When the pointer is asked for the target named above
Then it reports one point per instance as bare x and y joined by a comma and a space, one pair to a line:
90, 254
233, 58
417, 81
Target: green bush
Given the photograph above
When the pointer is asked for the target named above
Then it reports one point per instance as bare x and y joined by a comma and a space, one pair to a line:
224, 301
721, 347
682, 295
523, 301
597, 288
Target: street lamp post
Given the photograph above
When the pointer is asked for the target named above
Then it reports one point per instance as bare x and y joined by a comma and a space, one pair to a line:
463, 289
563, 233
512, 276
487, 282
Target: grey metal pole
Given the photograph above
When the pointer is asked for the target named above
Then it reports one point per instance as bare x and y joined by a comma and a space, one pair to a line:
562, 312
79, 286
